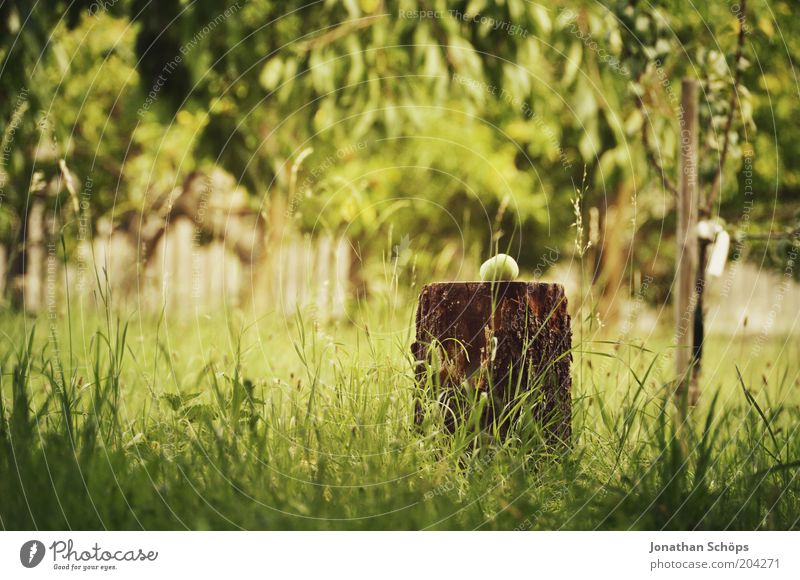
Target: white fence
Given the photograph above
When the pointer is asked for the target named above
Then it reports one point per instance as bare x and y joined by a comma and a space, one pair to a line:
186, 276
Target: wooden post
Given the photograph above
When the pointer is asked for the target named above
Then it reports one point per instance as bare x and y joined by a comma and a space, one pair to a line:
33, 283
686, 266
496, 345
323, 257
3, 271
179, 269
341, 277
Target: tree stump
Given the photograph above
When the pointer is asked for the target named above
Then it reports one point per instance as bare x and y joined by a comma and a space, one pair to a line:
502, 345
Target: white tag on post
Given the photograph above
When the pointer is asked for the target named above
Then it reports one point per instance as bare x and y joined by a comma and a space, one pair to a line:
719, 253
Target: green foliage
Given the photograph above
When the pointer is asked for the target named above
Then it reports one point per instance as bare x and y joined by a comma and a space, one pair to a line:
461, 120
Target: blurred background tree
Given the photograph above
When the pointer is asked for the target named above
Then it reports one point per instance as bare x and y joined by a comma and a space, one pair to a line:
404, 120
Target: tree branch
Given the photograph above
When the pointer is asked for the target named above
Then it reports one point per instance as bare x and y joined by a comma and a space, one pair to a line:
334, 34
650, 154
705, 210
795, 233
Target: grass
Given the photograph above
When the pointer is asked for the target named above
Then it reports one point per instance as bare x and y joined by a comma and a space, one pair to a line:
211, 423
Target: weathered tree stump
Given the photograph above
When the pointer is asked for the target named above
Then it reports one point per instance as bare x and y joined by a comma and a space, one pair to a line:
503, 345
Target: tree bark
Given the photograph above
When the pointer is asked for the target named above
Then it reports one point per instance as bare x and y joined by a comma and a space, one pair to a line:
503, 346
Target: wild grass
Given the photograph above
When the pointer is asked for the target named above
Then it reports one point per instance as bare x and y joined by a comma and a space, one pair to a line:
213, 423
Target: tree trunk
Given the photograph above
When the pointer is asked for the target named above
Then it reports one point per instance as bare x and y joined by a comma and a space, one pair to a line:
503, 347
614, 256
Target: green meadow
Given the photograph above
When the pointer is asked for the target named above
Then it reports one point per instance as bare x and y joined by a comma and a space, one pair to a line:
116, 422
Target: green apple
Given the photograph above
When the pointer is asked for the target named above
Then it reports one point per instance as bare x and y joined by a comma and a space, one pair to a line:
500, 267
